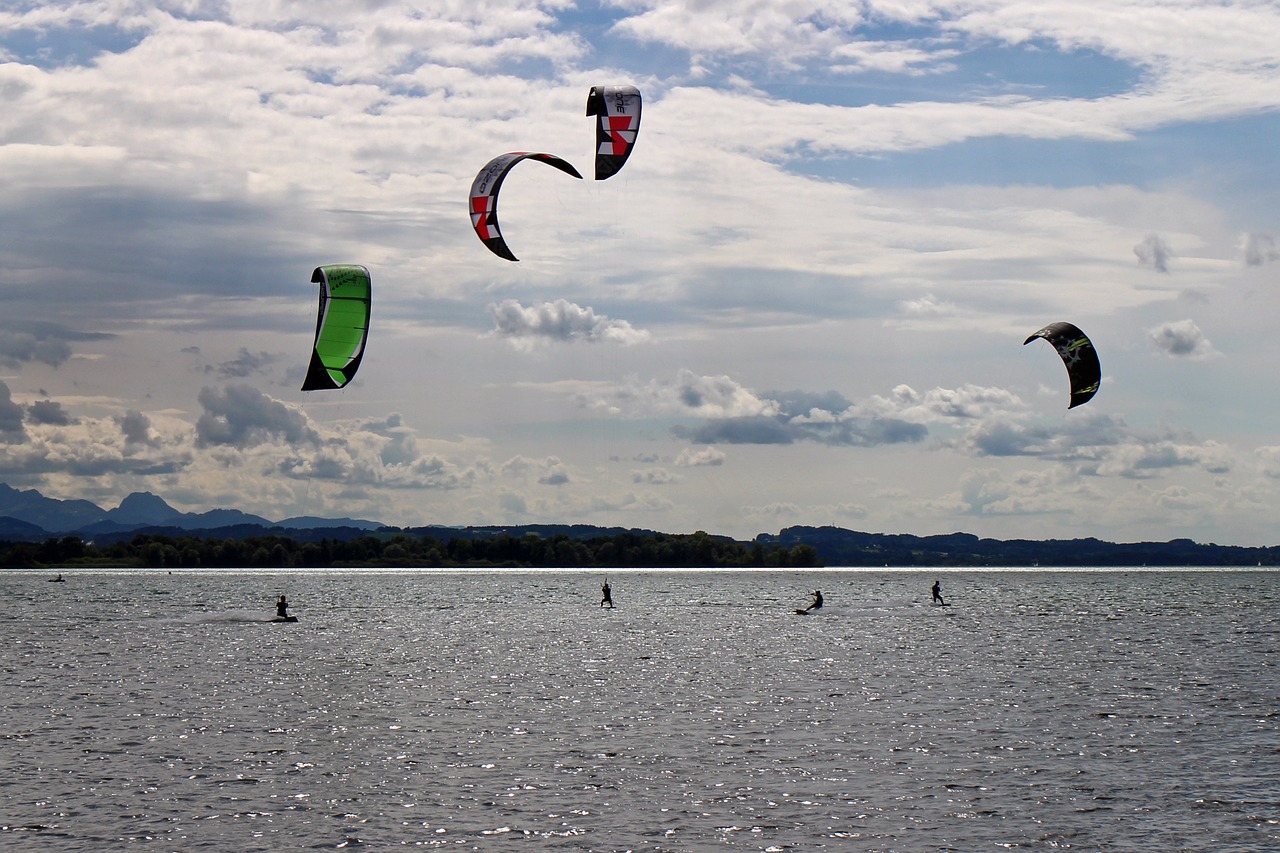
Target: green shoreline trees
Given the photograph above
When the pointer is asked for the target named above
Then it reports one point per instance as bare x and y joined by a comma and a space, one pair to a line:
628, 550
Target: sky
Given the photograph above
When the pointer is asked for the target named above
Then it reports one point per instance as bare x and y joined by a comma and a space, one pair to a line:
802, 301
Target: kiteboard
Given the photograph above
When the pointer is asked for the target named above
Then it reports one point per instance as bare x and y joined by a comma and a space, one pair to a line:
284, 619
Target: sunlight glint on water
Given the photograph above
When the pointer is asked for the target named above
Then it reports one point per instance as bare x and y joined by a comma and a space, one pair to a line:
1042, 710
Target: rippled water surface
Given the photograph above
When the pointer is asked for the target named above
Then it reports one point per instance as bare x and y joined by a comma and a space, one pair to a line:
1092, 710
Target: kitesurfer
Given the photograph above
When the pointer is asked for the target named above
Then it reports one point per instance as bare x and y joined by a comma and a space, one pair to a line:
282, 608
937, 593
606, 595
817, 601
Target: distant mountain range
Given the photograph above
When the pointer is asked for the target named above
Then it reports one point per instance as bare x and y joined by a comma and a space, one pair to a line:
28, 516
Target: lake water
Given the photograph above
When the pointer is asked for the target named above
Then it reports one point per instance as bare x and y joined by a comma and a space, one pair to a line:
1043, 710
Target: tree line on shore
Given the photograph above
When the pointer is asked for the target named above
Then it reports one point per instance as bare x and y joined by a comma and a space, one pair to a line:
695, 550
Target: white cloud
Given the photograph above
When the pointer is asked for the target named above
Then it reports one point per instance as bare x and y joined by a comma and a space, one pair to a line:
698, 457
559, 320
928, 305
1269, 460
938, 404
691, 395
1258, 249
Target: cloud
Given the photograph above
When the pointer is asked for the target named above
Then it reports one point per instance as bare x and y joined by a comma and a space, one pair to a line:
401, 447
1268, 458
1096, 445
48, 412
687, 395
654, 477
733, 414
243, 365
1258, 249
792, 416
716, 397
704, 456
136, 428
11, 418
47, 343
1182, 339
966, 402
766, 31
549, 471
926, 306
560, 320
1154, 252
59, 445
242, 416
1079, 439
1143, 458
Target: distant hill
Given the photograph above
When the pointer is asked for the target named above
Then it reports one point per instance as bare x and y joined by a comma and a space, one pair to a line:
50, 514
17, 530
546, 531
310, 522
340, 533
28, 516
840, 547
142, 508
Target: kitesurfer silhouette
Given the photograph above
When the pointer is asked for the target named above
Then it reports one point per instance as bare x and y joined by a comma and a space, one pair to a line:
282, 608
937, 593
606, 595
817, 602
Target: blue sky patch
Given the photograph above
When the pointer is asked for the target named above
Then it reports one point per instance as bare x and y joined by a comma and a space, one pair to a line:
68, 46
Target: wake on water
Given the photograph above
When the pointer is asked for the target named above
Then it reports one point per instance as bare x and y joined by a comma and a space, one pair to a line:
867, 608
222, 616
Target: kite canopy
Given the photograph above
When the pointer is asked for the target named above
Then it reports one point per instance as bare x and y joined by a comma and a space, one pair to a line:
1079, 356
341, 327
484, 196
619, 111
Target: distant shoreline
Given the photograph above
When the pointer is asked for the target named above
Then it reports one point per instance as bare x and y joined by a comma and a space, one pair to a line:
582, 546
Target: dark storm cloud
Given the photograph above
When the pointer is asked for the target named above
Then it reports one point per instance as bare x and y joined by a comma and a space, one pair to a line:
12, 430
48, 412
242, 416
